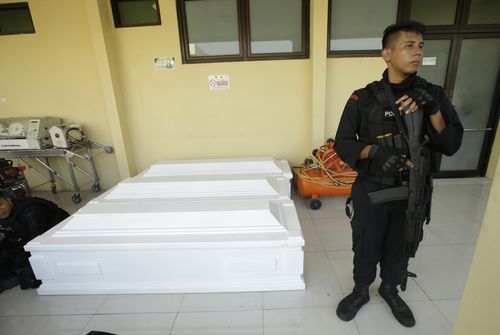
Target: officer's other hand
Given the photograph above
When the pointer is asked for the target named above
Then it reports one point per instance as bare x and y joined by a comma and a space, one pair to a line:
387, 160
425, 101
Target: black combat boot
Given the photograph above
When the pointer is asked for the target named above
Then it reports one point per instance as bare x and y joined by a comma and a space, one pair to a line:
350, 305
399, 308
27, 279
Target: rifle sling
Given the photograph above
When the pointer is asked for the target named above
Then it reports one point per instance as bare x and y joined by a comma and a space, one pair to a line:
395, 110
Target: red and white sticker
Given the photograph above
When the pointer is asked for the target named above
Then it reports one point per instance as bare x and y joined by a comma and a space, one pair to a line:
218, 82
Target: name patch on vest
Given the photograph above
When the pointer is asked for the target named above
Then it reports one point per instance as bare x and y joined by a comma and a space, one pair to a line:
388, 114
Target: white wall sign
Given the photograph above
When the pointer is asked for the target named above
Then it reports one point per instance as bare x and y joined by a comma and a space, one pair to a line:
218, 82
164, 63
429, 61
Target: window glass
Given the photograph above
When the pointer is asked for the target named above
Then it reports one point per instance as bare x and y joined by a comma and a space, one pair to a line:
477, 76
15, 19
467, 158
435, 61
359, 24
128, 13
431, 12
484, 12
212, 27
275, 26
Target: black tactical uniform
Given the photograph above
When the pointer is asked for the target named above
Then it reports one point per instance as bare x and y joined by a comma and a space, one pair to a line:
378, 229
29, 218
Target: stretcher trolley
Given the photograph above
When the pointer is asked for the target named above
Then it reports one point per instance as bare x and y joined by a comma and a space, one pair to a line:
324, 174
37, 160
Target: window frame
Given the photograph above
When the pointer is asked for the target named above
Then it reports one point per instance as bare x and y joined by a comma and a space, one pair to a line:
403, 13
17, 6
355, 53
117, 18
243, 16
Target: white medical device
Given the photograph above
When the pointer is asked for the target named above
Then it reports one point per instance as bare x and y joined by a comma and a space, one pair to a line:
26, 133
63, 135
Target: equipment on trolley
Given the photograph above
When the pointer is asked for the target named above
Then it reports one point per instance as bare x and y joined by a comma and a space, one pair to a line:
324, 174
26, 133
32, 141
64, 136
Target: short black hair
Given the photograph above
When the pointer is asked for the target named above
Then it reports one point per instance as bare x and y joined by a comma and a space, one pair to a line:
395, 28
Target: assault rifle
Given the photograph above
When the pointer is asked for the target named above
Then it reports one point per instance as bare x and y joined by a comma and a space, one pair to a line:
418, 211
419, 185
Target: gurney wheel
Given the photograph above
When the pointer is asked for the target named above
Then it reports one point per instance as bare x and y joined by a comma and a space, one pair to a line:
315, 204
95, 188
76, 198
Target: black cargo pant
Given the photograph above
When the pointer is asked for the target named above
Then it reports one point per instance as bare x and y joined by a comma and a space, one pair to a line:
377, 236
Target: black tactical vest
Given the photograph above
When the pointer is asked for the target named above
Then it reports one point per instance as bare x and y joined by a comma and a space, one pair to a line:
379, 123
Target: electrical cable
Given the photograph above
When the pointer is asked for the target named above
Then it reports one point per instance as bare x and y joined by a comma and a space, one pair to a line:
325, 168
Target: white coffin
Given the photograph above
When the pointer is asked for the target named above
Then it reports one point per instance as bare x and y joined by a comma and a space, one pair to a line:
201, 186
163, 246
258, 165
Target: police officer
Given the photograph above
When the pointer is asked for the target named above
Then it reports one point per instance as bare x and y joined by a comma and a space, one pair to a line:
21, 220
368, 139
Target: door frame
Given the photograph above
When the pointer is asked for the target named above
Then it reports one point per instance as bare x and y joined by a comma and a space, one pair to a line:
457, 32
494, 115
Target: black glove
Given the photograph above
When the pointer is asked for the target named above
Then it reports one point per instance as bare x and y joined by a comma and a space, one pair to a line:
425, 101
386, 160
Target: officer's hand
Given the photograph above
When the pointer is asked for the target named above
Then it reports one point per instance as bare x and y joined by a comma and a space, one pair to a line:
425, 101
407, 104
387, 160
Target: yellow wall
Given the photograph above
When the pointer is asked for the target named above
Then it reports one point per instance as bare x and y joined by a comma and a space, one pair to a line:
172, 114
479, 308
101, 77
344, 75
53, 73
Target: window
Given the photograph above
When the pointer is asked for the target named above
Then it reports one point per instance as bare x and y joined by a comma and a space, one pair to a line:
484, 12
238, 30
133, 13
15, 18
356, 26
443, 12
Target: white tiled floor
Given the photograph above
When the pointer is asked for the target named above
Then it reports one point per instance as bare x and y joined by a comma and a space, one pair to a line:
442, 265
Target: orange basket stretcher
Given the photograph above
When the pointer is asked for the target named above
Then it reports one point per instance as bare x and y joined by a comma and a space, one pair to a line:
324, 174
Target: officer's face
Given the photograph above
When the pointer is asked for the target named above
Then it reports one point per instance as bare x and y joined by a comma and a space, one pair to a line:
5, 207
404, 54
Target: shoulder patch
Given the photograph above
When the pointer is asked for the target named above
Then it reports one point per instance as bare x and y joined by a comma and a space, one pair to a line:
354, 97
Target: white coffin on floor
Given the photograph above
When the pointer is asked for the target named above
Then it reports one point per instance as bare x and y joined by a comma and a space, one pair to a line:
201, 186
265, 165
162, 246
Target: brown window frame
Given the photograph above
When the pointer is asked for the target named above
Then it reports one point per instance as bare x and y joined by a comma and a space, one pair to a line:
460, 26
355, 53
244, 37
117, 18
18, 6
